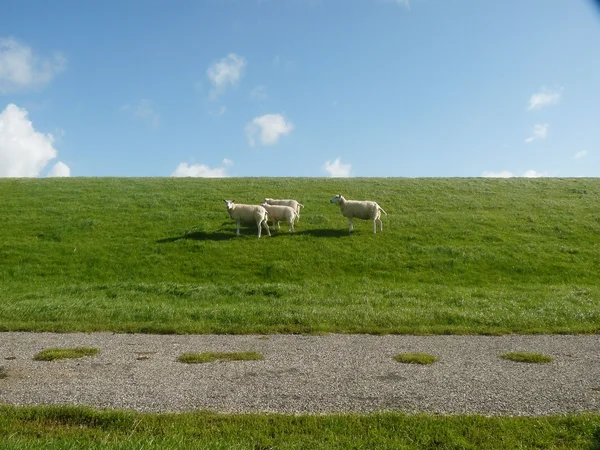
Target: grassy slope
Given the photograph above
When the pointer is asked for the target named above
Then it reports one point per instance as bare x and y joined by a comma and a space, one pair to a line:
159, 255
50, 428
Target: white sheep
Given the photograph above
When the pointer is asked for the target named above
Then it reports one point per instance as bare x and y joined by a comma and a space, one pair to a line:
281, 213
291, 203
365, 210
247, 213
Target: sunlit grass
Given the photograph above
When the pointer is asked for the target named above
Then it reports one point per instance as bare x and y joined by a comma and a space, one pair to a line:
458, 256
65, 427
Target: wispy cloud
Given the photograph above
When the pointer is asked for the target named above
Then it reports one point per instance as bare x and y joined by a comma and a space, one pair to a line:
23, 69
24, 152
337, 169
539, 131
404, 3
202, 171
544, 97
225, 73
507, 174
259, 93
143, 110
268, 129
580, 155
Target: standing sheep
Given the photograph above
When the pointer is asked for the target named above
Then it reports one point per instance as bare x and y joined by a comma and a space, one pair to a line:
247, 213
365, 210
282, 213
291, 203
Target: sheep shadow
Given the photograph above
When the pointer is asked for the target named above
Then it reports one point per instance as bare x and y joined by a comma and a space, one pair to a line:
324, 233
199, 236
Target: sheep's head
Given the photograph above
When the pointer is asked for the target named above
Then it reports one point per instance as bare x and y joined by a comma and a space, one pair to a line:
229, 204
266, 200
336, 199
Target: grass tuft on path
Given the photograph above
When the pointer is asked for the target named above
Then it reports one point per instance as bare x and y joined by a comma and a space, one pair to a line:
198, 358
416, 358
527, 357
52, 354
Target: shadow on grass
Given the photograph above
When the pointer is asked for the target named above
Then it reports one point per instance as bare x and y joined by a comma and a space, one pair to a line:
199, 236
324, 233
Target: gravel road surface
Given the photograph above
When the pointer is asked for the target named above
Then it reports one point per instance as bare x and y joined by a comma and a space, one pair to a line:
305, 374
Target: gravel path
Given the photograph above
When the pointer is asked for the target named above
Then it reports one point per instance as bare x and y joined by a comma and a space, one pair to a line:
306, 374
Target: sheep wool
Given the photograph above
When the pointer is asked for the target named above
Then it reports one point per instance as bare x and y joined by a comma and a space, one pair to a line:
291, 203
247, 213
281, 213
366, 210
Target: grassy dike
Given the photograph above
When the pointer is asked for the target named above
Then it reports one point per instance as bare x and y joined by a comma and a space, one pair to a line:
466, 256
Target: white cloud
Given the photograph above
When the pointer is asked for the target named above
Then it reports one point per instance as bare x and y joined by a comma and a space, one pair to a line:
507, 174
544, 98
269, 128
24, 152
144, 111
501, 174
22, 69
226, 72
580, 155
202, 171
337, 169
60, 169
539, 131
533, 174
259, 93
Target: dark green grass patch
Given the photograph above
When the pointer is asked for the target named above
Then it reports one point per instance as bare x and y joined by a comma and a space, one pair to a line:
416, 358
207, 357
526, 357
52, 354
160, 255
61, 427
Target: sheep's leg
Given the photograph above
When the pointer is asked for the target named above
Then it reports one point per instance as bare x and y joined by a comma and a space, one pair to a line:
266, 225
278, 225
380, 225
237, 228
350, 227
291, 226
374, 226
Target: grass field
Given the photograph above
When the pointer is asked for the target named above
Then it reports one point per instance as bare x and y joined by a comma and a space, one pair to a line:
59, 428
159, 255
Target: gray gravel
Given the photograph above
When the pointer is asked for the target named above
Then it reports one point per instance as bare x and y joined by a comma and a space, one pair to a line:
306, 374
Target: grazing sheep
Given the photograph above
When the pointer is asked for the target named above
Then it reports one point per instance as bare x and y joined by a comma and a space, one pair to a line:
291, 203
365, 210
281, 213
247, 213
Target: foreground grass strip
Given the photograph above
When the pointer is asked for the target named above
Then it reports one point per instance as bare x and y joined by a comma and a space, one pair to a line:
198, 358
525, 357
51, 354
416, 358
69, 427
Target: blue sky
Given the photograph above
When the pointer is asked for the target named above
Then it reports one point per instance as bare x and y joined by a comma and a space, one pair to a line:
300, 88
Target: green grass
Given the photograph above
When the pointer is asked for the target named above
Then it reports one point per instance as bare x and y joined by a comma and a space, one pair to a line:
197, 358
52, 354
416, 358
461, 256
67, 427
526, 357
